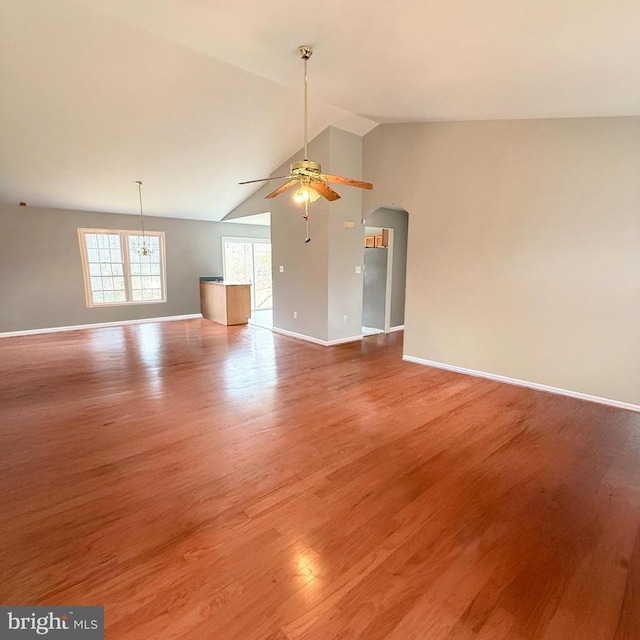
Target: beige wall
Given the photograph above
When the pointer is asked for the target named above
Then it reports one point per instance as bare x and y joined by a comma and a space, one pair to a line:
41, 283
524, 246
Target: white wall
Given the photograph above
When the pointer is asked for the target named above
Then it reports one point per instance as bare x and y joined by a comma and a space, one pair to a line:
524, 246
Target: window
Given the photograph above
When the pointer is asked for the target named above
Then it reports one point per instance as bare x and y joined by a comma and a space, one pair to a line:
114, 271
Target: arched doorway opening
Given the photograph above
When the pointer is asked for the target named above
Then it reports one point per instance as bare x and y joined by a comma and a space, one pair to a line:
385, 268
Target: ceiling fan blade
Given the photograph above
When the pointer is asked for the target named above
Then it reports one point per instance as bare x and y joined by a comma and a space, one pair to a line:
348, 181
282, 188
324, 190
264, 179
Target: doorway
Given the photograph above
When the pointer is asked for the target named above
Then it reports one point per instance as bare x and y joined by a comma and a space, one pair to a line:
248, 260
396, 221
378, 271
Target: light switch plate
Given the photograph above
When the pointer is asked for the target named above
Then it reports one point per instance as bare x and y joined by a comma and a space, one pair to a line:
358, 269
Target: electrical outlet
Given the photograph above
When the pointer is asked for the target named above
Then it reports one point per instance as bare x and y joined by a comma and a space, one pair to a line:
295, 315
358, 269
344, 319
281, 269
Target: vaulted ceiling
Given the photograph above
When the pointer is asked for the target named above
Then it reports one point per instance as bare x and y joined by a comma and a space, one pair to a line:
193, 96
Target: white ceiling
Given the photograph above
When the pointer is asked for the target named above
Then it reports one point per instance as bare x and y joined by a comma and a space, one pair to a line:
192, 96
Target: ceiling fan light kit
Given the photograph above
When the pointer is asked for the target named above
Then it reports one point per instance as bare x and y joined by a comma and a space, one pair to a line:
305, 193
307, 174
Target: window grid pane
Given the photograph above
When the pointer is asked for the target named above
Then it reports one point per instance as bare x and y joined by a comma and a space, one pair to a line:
101, 267
110, 279
144, 286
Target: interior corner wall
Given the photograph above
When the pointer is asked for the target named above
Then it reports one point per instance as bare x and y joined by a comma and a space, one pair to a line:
399, 222
302, 286
346, 242
523, 255
41, 283
319, 280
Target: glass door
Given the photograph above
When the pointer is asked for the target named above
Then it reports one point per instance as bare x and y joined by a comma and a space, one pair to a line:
248, 260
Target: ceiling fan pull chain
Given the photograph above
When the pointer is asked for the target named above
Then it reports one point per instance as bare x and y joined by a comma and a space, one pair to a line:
305, 215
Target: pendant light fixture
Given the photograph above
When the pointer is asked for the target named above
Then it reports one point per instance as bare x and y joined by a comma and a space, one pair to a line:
144, 249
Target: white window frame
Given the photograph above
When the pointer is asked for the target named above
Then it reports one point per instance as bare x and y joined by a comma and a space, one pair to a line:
126, 266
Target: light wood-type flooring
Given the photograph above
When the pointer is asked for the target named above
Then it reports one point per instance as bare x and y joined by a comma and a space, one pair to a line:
212, 483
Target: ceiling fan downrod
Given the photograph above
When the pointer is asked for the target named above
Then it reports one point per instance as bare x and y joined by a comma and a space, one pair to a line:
305, 54
306, 175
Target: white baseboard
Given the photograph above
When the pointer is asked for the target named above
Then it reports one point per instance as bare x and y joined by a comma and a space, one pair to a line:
372, 331
97, 325
524, 383
324, 343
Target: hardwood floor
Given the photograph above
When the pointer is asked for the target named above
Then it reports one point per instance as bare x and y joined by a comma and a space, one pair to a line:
207, 482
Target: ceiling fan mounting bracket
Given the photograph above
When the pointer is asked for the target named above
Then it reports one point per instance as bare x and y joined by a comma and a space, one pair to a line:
305, 51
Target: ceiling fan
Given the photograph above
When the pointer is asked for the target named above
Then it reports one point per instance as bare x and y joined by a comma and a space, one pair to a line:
307, 174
